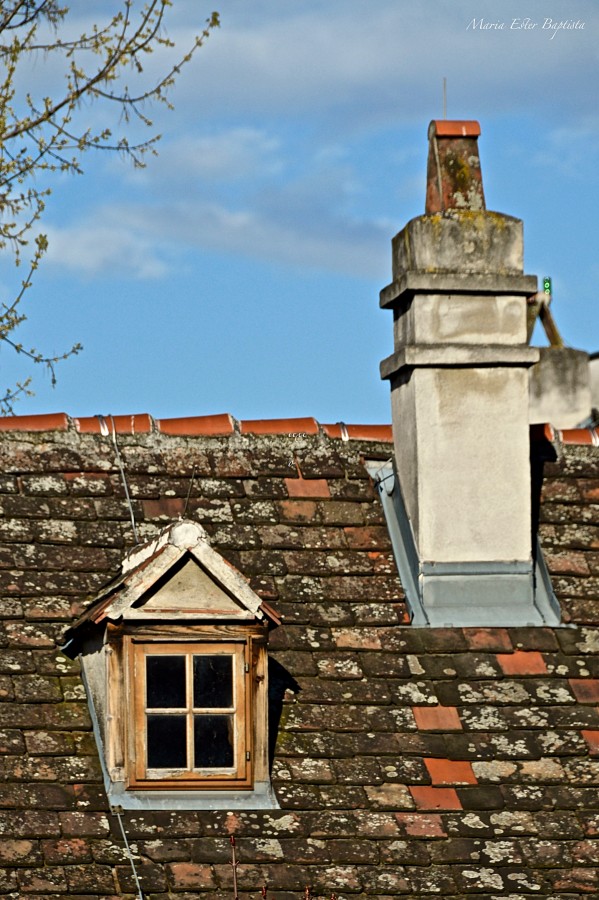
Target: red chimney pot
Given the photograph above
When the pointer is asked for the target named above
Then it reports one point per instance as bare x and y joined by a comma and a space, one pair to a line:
454, 128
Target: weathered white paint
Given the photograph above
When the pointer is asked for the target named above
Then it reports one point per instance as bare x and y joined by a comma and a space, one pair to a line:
189, 590
212, 581
560, 387
462, 462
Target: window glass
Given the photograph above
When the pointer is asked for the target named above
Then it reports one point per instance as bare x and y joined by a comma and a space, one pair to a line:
213, 742
166, 742
165, 682
213, 682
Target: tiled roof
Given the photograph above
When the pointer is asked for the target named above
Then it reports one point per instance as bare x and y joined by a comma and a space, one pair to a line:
409, 761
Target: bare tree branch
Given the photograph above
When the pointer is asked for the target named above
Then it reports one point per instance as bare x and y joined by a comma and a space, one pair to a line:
40, 134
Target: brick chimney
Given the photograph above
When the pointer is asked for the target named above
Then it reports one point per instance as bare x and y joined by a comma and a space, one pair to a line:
459, 394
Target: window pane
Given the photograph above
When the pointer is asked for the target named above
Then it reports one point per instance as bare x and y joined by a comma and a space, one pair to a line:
212, 682
213, 741
165, 682
167, 746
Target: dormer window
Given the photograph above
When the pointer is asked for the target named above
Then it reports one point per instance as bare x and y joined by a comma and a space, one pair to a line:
174, 659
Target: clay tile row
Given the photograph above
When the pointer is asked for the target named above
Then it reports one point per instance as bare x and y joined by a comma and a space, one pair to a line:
189, 426
588, 436
224, 424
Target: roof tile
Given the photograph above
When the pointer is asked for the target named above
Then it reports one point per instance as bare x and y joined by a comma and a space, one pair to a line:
49, 422
522, 662
304, 425
421, 825
139, 423
189, 426
450, 771
307, 487
359, 432
591, 736
426, 797
586, 690
491, 639
437, 718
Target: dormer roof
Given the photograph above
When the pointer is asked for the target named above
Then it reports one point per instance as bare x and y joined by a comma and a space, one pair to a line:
175, 576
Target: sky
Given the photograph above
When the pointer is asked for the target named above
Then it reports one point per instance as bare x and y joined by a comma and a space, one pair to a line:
239, 271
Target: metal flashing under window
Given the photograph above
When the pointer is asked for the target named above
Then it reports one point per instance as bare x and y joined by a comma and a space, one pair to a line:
260, 797
463, 594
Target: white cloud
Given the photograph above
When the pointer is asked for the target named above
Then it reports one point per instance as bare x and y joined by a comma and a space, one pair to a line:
351, 248
144, 243
104, 247
221, 155
358, 64
312, 78
311, 220
344, 64
571, 151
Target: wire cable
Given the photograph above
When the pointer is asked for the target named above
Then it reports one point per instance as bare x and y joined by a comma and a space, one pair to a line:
130, 855
105, 432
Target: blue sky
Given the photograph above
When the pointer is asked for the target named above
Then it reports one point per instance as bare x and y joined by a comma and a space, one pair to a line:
239, 272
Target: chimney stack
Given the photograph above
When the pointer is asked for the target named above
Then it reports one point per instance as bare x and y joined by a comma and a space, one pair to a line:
459, 394
453, 178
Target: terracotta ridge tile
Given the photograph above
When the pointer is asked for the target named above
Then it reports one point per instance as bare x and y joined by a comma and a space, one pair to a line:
589, 436
300, 425
40, 422
136, 423
216, 425
359, 432
546, 431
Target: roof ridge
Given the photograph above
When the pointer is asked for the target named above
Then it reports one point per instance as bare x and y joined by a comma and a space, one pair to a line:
223, 424
215, 425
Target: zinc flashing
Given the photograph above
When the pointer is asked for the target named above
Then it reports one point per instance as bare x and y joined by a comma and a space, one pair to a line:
463, 594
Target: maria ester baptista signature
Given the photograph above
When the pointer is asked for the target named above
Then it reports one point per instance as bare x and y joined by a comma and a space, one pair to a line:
551, 27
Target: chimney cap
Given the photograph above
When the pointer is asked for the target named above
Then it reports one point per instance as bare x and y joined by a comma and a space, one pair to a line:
453, 128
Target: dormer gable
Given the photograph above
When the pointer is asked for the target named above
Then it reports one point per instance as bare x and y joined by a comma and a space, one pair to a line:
175, 576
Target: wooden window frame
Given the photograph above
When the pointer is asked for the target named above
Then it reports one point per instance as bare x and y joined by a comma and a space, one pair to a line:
126, 745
